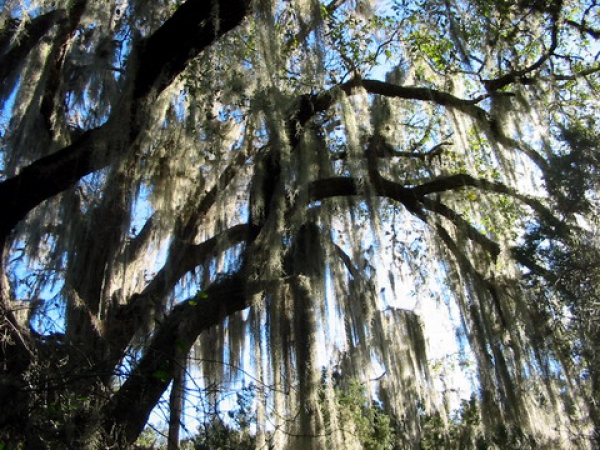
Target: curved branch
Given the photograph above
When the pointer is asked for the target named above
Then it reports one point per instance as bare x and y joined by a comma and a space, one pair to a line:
194, 26
10, 61
309, 105
51, 175
521, 75
493, 248
342, 186
129, 409
414, 199
418, 93
183, 258
165, 54
468, 107
459, 181
575, 75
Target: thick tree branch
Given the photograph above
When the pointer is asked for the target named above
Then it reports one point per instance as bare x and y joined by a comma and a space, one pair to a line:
51, 175
414, 199
468, 107
309, 105
165, 54
574, 75
193, 27
343, 186
181, 259
11, 60
129, 409
417, 93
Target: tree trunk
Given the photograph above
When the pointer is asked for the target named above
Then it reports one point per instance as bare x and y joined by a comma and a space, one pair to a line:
176, 401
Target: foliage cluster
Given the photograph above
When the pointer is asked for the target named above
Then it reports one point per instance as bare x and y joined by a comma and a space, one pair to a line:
250, 187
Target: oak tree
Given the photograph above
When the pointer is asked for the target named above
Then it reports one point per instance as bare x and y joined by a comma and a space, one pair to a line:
283, 191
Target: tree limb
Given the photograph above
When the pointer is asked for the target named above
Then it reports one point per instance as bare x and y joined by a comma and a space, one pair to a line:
181, 259
11, 60
457, 181
164, 55
520, 75
130, 407
194, 26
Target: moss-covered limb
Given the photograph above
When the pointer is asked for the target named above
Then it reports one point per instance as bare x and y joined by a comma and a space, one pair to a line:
345, 186
458, 181
51, 175
165, 54
12, 56
124, 321
468, 107
490, 246
342, 186
384, 150
194, 26
185, 230
310, 105
127, 412
181, 259
441, 98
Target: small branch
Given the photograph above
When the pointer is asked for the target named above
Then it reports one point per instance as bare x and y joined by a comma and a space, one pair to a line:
471, 232
458, 181
519, 75
576, 75
385, 150
584, 28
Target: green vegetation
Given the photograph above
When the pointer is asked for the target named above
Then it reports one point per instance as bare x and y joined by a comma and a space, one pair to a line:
369, 210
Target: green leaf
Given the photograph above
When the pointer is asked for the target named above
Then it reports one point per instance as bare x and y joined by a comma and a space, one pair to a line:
180, 345
193, 302
161, 375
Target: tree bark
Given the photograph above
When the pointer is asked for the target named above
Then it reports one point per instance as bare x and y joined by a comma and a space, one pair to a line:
128, 411
162, 56
176, 399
